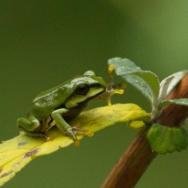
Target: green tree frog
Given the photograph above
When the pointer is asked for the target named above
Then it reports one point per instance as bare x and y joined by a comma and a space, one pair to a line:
58, 105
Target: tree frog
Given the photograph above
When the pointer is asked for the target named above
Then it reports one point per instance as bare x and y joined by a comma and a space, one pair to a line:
58, 105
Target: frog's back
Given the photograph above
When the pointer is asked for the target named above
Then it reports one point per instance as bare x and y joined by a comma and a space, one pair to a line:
47, 101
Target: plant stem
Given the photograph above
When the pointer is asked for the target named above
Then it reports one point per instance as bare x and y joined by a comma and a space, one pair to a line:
133, 163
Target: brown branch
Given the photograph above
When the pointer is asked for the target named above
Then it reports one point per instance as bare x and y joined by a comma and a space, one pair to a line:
138, 156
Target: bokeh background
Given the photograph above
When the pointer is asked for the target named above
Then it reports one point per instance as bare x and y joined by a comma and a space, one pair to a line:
43, 43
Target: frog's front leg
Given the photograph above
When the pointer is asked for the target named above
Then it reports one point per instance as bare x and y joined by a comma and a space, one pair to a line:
64, 127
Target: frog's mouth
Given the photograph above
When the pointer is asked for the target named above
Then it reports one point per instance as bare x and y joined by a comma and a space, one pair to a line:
97, 95
107, 94
76, 99
92, 94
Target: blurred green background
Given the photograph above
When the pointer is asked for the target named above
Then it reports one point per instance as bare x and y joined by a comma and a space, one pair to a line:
43, 43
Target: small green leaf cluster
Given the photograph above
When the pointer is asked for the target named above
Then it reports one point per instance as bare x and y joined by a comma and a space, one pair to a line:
163, 139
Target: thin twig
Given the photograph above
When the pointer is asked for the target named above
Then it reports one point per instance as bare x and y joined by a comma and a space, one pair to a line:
133, 163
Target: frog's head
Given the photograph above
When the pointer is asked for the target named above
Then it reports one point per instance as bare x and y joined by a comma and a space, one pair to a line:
84, 88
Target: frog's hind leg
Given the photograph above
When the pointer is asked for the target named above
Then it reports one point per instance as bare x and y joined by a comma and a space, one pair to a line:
35, 134
30, 124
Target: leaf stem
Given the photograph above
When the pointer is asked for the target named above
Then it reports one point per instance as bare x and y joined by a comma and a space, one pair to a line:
133, 163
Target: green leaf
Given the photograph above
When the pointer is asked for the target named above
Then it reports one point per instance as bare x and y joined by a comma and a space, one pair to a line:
123, 66
182, 101
19, 151
152, 81
145, 81
168, 84
139, 84
165, 139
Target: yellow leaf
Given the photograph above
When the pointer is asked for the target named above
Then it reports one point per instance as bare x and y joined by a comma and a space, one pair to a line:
136, 124
19, 151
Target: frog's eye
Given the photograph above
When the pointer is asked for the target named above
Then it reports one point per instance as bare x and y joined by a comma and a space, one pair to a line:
82, 89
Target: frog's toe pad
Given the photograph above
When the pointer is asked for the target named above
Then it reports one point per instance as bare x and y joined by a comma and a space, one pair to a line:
83, 131
76, 143
89, 133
